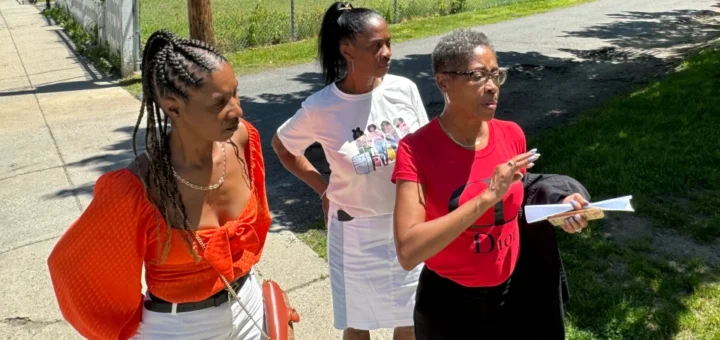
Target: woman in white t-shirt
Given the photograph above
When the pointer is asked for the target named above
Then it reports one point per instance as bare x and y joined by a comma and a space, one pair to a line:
370, 290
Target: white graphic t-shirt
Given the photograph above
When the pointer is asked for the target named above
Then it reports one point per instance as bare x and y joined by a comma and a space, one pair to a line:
360, 135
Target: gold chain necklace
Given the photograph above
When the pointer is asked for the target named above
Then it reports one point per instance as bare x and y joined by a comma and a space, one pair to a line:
210, 187
467, 146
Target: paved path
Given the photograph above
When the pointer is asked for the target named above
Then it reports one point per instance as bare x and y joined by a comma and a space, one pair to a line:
63, 125
562, 63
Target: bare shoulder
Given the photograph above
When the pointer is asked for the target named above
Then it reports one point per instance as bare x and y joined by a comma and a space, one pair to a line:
242, 136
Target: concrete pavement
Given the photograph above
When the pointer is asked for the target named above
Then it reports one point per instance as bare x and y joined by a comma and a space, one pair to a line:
55, 113
561, 63
63, 124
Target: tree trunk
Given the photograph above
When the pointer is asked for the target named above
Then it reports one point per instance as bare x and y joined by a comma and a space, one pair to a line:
200, 21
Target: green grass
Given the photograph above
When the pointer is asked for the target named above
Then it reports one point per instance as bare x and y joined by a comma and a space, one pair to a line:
260, 59
659, 144
86, 44
647, 276
132, 84
241, 24
624, 291
315, 236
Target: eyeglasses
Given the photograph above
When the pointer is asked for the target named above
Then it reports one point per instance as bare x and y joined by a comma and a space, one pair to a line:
481, 77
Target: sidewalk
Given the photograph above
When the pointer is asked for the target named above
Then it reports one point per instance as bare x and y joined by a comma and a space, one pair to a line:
63, 125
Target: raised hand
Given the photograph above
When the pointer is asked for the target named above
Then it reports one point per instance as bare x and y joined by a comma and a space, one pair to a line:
507, 173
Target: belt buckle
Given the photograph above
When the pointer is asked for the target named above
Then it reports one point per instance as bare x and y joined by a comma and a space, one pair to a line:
220, 299
236, 285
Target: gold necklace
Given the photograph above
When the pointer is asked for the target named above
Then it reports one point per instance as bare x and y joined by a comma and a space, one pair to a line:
467, 146
209, 187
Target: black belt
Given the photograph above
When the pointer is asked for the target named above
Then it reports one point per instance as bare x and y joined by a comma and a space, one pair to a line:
159, 305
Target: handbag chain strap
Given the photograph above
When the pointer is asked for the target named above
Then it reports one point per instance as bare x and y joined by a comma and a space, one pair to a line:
232, 291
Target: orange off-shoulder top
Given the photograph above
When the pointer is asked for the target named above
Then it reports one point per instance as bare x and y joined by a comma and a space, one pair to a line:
96, 266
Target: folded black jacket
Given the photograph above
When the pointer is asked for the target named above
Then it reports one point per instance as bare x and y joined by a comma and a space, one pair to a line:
540, 286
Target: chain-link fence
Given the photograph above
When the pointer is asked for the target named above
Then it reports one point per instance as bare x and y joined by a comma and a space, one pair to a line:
241, 24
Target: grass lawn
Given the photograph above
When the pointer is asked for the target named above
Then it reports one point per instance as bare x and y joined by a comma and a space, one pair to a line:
240, 24
654, 274
293, 53
316, 237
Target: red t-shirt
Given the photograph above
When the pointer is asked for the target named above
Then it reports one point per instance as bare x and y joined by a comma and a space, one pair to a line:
485, 254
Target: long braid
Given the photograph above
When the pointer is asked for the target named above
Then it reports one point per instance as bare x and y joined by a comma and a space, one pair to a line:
193, 54
178, 67
161, 70
203, 46
170, 67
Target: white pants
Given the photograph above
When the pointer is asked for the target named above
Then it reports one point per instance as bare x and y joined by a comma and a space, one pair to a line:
370, 290
227, 321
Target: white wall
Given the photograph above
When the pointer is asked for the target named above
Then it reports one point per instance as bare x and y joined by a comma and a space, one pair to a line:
116, 23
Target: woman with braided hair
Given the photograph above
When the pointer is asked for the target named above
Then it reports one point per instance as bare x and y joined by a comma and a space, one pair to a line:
191, 209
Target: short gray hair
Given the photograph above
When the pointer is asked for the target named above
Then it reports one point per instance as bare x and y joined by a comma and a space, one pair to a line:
456, 49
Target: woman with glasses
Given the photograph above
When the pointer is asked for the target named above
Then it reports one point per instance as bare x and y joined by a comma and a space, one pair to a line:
369, 288
458, 198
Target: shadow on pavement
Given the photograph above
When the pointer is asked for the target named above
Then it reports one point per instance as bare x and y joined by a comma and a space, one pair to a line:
542, 91
64, 86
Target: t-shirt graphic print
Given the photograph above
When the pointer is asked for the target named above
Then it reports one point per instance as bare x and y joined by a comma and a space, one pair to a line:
377, 147
359, 134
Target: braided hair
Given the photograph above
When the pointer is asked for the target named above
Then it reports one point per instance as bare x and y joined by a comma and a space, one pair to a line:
171, 66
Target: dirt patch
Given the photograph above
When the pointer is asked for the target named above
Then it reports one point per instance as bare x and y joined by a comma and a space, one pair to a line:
613, 54
544, 91
665, 243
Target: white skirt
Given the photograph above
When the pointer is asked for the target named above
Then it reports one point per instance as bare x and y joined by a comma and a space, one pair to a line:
369, 288
227, 321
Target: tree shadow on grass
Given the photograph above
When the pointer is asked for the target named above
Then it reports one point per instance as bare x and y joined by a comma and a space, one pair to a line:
632, 289
619, 289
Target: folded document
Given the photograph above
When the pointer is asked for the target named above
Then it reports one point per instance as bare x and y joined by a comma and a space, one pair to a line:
536, 213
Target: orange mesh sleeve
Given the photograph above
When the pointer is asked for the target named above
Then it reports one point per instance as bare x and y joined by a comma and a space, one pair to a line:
96, 266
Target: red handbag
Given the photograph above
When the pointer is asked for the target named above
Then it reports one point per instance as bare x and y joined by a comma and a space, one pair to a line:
278, 313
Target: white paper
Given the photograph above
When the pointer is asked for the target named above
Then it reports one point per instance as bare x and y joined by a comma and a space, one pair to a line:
536, 213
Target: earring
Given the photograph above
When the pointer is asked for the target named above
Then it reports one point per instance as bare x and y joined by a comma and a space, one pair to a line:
352, 66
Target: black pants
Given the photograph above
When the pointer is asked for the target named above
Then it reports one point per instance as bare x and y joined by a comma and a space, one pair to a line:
445, 310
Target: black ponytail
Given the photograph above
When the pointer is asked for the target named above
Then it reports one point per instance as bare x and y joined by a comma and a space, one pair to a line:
341, 21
